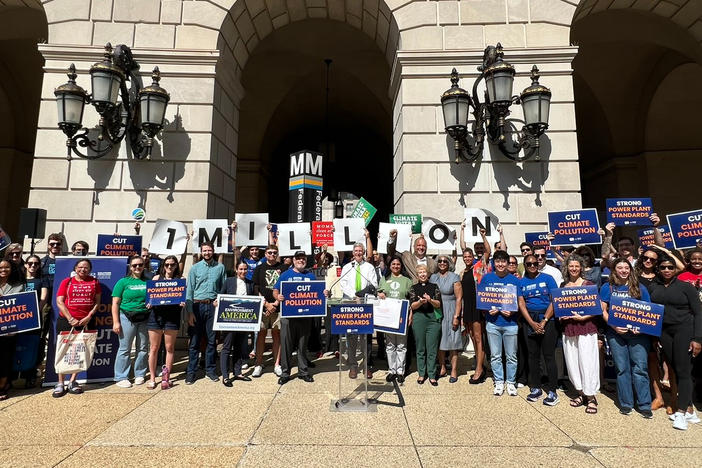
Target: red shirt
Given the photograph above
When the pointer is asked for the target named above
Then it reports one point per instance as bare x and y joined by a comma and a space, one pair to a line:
689, 277
79, 296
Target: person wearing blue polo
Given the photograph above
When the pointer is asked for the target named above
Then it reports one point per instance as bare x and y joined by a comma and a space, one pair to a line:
502, 328
205, 280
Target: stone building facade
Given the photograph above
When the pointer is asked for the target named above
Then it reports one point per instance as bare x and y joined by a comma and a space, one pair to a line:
248, 83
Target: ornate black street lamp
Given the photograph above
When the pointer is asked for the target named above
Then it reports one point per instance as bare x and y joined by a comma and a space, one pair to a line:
138, 116
490, 116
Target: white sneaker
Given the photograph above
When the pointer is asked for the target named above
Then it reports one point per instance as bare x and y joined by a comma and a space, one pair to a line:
124, 384
680, 421
278, 371
258, 370
139, 380
511, 390
499, 389
691, 418
520, 385
244, 366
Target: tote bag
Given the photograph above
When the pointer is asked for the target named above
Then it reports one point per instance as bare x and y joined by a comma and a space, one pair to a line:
74, 351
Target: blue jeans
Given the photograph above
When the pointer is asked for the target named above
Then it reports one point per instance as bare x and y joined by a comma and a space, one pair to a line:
130, 331
204, 320
630, 353
507, 336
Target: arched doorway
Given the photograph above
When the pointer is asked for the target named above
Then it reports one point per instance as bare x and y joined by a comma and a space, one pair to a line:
636, 97
21, 28
271, 99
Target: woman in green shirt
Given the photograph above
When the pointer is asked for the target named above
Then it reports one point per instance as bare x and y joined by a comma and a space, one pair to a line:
395, 286
129, 321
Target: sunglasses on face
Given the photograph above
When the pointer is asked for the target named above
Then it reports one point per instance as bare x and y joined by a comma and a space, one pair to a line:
443, 260
137, 265
271, 252
31, 264
526, 250
666, 267
651, 259
169, 265
54, 244
531, 264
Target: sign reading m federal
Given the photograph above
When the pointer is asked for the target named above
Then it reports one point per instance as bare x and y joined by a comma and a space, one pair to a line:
305, 187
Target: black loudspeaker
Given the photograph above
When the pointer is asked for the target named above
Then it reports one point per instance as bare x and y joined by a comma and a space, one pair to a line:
32, 223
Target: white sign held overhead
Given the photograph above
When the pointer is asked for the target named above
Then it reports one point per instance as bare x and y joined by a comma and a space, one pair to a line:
169, 238
438, 235
403, 240
210, 230
477, 219
347, 232
251, 229
293, 237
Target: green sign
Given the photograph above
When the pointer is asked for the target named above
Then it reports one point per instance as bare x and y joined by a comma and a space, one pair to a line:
364, 210
415, 220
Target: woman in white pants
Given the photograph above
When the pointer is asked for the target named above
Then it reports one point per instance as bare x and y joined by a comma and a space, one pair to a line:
395, 286
580, 342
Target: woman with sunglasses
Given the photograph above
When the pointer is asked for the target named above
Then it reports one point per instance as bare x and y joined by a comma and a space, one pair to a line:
129, 321
77, 299
11, 282
13, 253
681, 334
425, 319
534, 296
35, 283
449, 283
580, 347
629, 348
513, 266
164, 321
473, 319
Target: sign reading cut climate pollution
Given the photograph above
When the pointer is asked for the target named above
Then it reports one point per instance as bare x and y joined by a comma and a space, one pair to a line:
643, 317
303, 299
574, 227
19, 313
629, 211
356, 319
165, 292
686, 228
540, 240
580, 300
647, 238
238, 313
496, 297
118, 246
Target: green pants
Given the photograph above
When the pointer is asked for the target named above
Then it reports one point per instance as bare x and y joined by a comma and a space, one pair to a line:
427, 332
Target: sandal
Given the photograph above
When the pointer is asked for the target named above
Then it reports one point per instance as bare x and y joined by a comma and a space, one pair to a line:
577, 402
150, 384
3, 392
591, 407
59, 391
74, 388
421, 380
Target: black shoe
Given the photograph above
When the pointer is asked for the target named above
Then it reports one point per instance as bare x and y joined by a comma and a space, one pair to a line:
390, 377
283, 380
311, 364
213, 377
189, 380
400, 379
306, 378
647, 414
625, 411
227, 382
434, 383
479, 380
244, 378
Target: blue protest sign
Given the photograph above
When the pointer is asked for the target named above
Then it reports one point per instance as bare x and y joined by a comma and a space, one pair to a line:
390, 316
118, 246
540, 240
646, 237
303, 299
19, 313
583, 300
238, 313
644, 317
354, 319
108, 270
165, 292
686, 228
497, 297
629, 211
574, 227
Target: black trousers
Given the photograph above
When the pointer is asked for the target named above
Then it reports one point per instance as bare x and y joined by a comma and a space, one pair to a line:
236, 345
7, 354
522, 355
545, 345
675, 340
294, 334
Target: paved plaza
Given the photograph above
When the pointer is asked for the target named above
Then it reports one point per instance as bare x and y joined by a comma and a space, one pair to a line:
261, 423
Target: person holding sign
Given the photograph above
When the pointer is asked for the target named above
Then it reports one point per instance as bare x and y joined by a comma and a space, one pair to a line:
11, 282
235, 343
129, 321
396, 286
449, 283
629, 348
473, 319
411, 260
502, 328
681, 334
534, 293
164, 320
77, 299
580, 348
425, 316
36, 283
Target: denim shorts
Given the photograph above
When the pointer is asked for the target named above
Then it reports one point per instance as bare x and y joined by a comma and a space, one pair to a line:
164, 318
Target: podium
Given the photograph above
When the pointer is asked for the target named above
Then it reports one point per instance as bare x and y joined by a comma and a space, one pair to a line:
353, 322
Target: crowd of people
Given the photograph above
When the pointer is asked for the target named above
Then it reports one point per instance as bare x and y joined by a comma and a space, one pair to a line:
517, 347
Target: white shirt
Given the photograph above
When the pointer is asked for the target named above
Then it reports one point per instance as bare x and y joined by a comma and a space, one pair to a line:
240, 287
554, 273
348, 278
